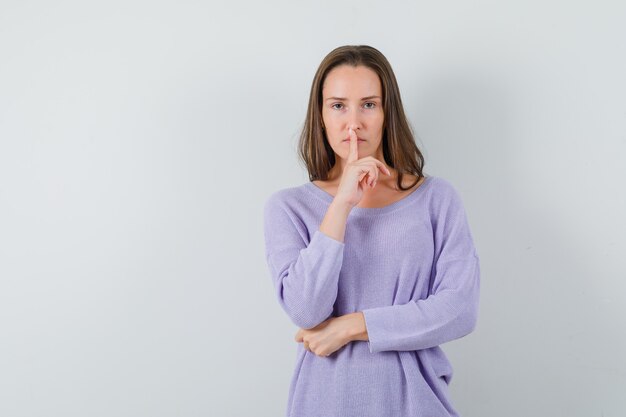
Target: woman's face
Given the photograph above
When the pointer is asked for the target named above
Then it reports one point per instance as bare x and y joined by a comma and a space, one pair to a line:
352, 97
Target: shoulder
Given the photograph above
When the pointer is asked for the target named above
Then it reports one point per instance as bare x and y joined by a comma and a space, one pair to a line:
444, 195
285, 214
441, 185
283, 197
289, 200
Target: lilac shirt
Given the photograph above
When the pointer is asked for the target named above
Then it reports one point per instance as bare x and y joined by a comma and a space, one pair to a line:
411, 267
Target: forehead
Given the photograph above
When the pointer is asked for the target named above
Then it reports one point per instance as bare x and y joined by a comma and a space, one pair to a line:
348, 81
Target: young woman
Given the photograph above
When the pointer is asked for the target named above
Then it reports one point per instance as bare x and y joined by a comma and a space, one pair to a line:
374, 261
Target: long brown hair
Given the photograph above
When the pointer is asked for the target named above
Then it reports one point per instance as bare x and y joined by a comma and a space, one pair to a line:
399, 148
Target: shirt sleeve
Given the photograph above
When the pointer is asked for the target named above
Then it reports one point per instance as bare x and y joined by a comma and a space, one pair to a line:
451, 309
305, 274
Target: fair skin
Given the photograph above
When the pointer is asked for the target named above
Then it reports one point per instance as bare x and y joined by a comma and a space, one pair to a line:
353, 121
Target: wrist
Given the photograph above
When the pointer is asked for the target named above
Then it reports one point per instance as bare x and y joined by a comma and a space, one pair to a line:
341, 206
356, 329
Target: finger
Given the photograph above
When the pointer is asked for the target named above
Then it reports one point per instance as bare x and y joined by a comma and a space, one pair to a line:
373, 175
368, 178
383, 167
353, 154
370, 172
367, 174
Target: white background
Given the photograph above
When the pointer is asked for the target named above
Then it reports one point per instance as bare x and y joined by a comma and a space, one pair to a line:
139, 141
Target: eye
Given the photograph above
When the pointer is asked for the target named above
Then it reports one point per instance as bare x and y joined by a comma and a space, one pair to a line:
336, 104
373, 105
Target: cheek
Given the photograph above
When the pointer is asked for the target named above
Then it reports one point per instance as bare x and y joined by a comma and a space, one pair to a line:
381, 121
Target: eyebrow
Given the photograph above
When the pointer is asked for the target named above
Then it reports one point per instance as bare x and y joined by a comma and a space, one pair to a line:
343, 98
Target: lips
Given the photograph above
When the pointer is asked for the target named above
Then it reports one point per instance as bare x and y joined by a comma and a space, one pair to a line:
358, 140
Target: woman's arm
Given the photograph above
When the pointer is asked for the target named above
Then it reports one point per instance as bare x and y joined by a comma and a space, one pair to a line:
304, 267
451, 309
335, 220
355, 327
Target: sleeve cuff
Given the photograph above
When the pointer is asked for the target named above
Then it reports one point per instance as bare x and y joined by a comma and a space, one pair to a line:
321, 237
384, 324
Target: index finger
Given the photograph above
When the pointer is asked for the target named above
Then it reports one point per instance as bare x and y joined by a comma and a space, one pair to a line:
353, 154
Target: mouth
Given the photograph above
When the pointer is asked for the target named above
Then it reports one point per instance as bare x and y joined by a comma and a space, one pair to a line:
358, 140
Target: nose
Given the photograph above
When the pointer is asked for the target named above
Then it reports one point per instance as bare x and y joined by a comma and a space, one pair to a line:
353, 121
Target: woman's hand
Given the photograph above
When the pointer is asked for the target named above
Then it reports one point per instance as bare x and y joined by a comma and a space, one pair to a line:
357, 174
332, 334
